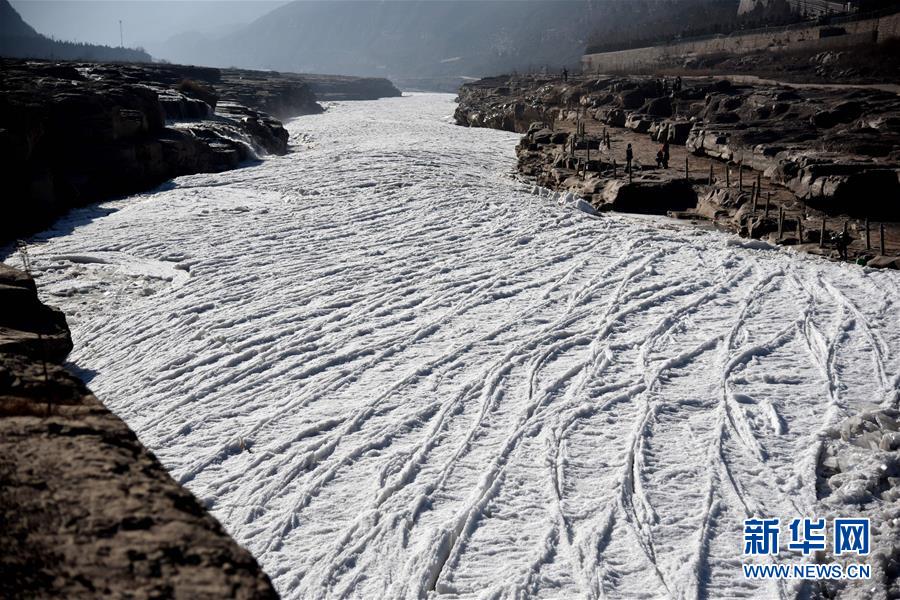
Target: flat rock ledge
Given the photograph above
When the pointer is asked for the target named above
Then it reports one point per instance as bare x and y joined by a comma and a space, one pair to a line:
814, 168
85, 509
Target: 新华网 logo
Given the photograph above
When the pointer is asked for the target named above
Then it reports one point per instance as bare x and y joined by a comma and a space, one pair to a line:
763, 537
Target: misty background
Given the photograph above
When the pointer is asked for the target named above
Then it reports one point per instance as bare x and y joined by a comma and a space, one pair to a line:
403, 40
146, 23
416, 43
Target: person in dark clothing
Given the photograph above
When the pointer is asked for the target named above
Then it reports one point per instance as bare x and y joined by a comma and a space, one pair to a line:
841, 242
677, 86
659, 158
565, 74
665, 154
629, 156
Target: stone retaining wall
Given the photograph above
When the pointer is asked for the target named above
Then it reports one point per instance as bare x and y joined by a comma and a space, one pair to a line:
807, 38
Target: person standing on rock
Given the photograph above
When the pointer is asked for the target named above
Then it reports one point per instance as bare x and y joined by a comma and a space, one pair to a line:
665, 156
565, 74
629, 155
842, 242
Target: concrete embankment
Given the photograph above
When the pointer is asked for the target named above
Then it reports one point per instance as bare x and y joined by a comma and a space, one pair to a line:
85, 509
811, 37
770, 162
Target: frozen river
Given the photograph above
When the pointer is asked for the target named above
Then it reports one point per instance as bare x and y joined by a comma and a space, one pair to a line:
393, 372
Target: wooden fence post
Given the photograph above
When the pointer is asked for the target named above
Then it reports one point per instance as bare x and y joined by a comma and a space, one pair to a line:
822, 233
710, 174
727, 176
768, 197
780, 221
881, 227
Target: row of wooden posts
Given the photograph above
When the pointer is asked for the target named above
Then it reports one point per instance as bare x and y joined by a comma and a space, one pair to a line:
823, 232
755, 192
580, 131
711, 177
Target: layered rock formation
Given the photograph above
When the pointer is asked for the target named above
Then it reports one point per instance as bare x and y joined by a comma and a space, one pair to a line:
838, 150
828, 146
818, 154
85, 509
342, 87
77, 133
282, 96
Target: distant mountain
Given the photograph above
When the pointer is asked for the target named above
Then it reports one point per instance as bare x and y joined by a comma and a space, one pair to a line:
402, 39
11, 23
19, 40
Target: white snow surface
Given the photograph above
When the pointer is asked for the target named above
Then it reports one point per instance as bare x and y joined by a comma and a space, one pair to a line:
393, 371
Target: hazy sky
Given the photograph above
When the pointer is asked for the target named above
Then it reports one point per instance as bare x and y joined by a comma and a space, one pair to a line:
145, 22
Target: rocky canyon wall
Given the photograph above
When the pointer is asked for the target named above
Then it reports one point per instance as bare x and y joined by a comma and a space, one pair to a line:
76, 133
86, 511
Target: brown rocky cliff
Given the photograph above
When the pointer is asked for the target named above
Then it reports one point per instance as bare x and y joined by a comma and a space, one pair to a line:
85, 509
72, 133
826, 157
76, 133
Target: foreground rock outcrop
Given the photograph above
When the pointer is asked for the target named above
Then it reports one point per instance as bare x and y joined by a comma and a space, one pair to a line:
765, 161
85, 509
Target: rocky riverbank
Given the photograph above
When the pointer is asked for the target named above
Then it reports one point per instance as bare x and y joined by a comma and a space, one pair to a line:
343, 88
75, 133
822, 158
85, 509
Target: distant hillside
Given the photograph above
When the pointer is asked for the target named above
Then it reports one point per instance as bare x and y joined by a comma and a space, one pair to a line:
403, 39
650, 22
11, 24
19, 40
